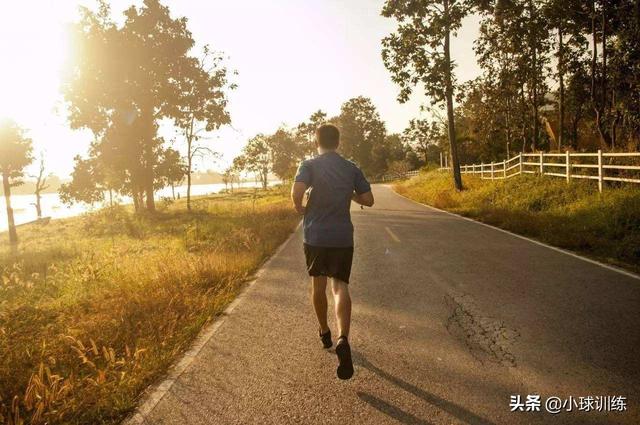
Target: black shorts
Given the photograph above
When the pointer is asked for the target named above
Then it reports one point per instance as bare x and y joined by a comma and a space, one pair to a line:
330, 262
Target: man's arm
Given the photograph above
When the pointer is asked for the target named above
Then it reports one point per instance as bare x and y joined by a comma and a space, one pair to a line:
362, 194
297, 194
365, 199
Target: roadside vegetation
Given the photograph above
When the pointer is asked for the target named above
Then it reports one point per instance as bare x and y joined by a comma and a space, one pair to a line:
576, 217
93, 309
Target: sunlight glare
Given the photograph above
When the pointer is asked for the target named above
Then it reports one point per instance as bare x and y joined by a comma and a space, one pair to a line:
33, 46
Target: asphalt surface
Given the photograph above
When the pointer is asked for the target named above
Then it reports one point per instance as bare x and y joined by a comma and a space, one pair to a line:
450, 319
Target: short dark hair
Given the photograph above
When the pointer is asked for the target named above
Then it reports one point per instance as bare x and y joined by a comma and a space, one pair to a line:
328, 136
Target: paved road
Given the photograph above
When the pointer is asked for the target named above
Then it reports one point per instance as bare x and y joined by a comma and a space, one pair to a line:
450, 319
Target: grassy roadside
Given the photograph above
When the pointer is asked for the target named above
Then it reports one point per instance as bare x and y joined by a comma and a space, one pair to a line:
576, 217
95, 308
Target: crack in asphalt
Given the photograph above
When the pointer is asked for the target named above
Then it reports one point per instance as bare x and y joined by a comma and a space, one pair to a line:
486, 338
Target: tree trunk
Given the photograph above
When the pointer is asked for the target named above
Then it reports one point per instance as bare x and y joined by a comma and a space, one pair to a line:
151, 204
265, 178
136, 201
599, 103
523, 109
614, 123
189, 183
575, 123
455, 165
605, 104
594, 51
149, 158
508, 127
189, 162
534, 60
13, 234
38, 205
561, 82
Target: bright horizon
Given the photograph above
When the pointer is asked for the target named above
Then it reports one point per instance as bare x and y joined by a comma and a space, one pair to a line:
274, 47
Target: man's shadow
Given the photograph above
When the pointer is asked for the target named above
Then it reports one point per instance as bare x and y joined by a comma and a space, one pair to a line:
404, 417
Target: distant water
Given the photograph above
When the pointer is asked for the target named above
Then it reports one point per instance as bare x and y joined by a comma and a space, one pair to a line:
24, 209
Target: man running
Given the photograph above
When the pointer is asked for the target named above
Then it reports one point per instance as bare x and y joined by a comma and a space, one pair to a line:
328, 233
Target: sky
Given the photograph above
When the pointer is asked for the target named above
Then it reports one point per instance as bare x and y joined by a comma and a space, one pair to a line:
275, 46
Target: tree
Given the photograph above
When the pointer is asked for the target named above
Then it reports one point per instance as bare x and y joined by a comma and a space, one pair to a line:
306, 132
389, 151
171, 170
513, 51
419, 54
41, 184
625, 75
502, 90
227, 178
538, 48
202, 107
362, 131
256, 158
486, 126
15, 154
423, 136
135, 71
118, 159
86, 183
238, 165
589, 49
399, 168
577, 98
285, 153
567, 18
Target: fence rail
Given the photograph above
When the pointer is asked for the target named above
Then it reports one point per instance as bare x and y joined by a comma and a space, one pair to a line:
600, 166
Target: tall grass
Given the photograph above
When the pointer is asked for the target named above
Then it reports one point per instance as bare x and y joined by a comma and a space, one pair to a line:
95, 308
574, 216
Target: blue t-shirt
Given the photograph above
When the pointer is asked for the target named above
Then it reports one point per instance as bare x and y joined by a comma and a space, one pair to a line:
332, 179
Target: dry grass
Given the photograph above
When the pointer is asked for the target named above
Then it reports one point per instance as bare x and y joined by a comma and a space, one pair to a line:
603, 226
95, 308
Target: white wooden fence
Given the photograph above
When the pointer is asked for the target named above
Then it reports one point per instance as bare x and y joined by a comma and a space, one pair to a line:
395, 176
600, 166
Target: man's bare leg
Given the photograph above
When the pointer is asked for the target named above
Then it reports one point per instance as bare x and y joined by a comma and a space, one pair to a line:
343, 315
343, 306
319, 299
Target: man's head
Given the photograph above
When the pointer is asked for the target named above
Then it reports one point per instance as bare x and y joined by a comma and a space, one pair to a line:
328, 137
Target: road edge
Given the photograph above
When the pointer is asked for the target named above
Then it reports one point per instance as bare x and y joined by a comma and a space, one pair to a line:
554, 248
153, 394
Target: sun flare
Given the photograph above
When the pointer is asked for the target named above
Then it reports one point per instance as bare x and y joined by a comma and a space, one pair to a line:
34, 46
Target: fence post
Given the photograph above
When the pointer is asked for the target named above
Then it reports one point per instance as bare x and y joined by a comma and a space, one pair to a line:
568, 165
492, 170
541, 163
446, 162
440, 160
520, 162
481, 170
600, 170
504, 168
